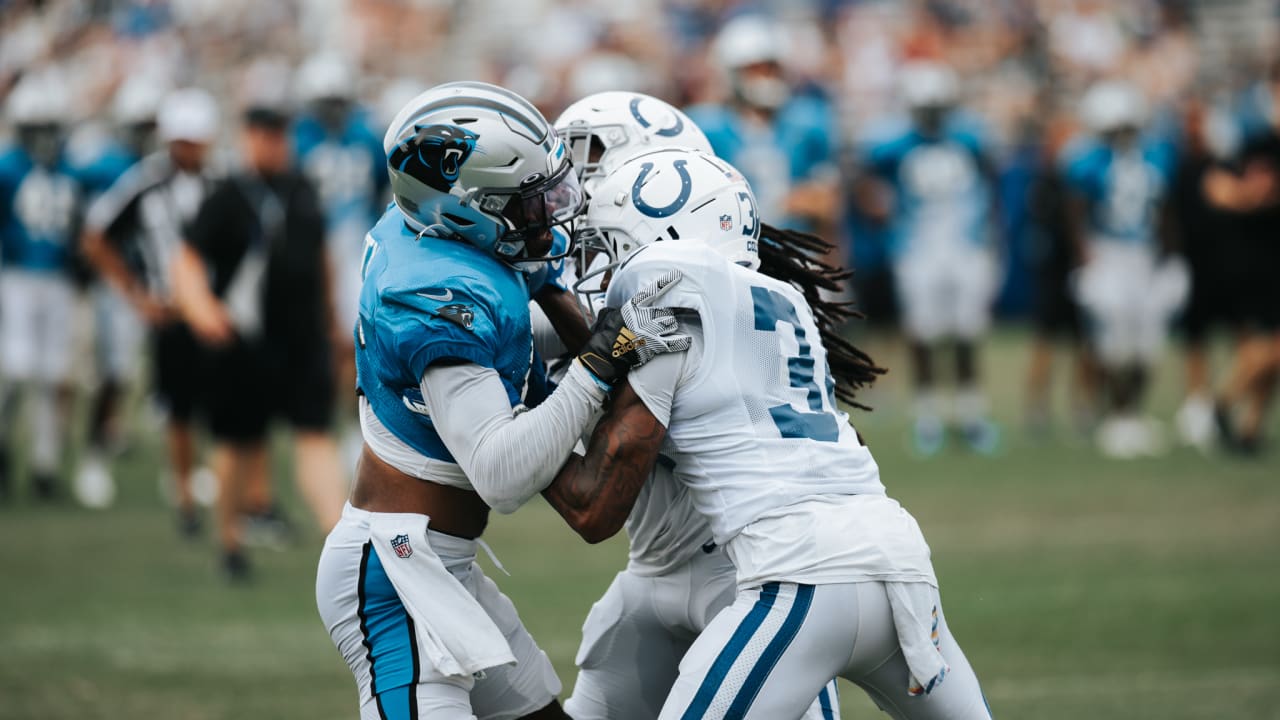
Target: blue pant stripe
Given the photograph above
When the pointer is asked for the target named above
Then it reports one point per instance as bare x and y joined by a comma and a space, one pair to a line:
824, 702
772, 653
398, 703
389, 639
729, 655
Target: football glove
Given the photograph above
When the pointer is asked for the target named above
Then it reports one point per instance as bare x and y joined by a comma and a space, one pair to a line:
630, 336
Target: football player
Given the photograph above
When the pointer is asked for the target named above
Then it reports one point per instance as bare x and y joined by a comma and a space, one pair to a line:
676, 578
833, 577
339, 152
1129, 285
781, 140
117, 328
41, 203
940, 182
446, 370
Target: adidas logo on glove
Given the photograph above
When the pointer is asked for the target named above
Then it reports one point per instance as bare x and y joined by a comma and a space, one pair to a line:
626, 342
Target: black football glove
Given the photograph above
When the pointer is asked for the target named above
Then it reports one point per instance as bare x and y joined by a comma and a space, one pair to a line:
632, 335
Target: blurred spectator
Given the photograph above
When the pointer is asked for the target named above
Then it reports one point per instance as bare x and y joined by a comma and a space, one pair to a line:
252, 280
41, 203
131, 235
937, 196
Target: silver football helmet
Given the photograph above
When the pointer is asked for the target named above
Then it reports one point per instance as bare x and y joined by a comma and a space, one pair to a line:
474, 162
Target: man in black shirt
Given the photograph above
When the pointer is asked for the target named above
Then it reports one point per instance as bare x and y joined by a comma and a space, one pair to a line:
252, 281
1254, 194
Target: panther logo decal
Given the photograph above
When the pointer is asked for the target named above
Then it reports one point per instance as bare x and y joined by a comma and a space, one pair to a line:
434, 154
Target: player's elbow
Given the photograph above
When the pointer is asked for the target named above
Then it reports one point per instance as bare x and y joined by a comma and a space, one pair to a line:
596, 527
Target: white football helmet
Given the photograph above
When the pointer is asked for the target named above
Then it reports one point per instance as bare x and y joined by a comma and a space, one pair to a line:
1112, 105
749, 40
929, 84
137, 100
326, 76
605, 129
39, 99
667, 194
478, 163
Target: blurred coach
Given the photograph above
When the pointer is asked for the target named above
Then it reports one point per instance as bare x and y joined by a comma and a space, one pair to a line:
251, 280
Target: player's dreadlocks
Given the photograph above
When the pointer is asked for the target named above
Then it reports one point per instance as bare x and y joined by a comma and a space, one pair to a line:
797, 258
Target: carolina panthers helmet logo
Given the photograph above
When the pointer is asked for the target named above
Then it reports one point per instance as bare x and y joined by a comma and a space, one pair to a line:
434, 154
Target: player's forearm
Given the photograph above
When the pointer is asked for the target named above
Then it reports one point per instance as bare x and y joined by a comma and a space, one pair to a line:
595, 493
108, 262
508, 459
566, 317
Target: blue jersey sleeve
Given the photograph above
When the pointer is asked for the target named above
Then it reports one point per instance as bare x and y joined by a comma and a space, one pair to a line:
808, 132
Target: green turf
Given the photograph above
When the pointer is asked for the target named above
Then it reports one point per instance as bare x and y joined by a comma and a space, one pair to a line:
1080, 588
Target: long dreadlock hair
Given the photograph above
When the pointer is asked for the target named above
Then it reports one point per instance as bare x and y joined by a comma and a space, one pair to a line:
797, 258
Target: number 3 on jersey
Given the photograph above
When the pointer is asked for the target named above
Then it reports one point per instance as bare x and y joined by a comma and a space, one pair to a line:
817, 422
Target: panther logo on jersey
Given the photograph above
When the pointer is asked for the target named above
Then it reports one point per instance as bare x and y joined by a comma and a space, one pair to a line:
434, 154
458, 314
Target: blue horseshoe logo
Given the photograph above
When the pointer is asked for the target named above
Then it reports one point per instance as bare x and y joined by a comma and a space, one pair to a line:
686, 186
672, 131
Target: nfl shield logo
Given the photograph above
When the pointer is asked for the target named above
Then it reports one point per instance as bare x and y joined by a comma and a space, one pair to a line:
400, 544
726, 222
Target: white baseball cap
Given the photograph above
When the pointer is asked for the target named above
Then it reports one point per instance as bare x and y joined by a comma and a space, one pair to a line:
188, 114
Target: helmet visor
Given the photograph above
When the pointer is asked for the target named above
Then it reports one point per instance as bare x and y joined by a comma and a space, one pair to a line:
540, 204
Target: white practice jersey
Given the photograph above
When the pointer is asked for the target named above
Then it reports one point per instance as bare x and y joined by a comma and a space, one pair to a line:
664, 527
755, 432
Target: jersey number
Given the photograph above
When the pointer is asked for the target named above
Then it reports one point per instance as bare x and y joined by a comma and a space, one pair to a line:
815, 423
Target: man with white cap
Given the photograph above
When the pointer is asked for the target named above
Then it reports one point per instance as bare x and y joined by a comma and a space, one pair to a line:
130, 235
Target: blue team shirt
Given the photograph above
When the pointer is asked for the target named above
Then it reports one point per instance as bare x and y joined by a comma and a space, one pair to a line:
347, 167
941, 184
796, 145
106, 166
426, 300
1122, 190
39, 213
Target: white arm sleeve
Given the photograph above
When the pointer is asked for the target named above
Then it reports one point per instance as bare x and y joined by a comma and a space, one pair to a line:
508, 458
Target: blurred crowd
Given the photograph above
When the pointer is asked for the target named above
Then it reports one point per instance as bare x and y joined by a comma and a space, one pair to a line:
201, 174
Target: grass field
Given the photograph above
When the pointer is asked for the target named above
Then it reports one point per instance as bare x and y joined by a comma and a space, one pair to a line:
1080, 588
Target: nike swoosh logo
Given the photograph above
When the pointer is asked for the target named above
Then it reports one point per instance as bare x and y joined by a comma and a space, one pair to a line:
444, 297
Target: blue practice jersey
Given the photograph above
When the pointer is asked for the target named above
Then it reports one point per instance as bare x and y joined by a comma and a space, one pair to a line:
101, 170
348, 169
1122, 190
941, 184
426, 300
796, 147
40, 211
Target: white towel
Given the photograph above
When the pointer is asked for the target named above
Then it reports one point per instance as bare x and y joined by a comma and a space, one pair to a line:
454, 633
916, 618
